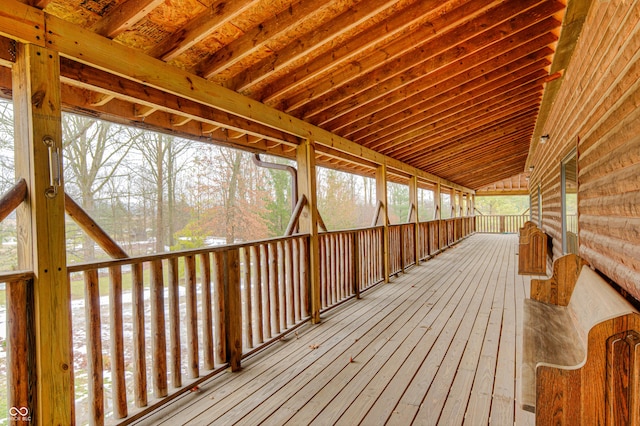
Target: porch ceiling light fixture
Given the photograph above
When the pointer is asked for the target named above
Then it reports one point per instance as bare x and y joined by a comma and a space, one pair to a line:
544, 138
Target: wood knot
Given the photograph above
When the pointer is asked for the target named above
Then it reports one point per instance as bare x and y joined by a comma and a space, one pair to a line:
38, 98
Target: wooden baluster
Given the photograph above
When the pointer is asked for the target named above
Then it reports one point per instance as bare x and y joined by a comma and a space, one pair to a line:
174, 323
344, 265
368, 257
274, 305
344, 293
219, 307
193, 360
245, 274
266, 295
282, 293
256, 296
158, 332
296, 283
355, 249
288, 266
119, 386
207, 319
401, 245
233, 310
139, 352
305, 291
323, 270
19, 353
332, 269
94, 346
346, 247
335, 267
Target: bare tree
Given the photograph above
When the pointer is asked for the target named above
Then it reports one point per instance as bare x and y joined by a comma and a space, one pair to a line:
93, 151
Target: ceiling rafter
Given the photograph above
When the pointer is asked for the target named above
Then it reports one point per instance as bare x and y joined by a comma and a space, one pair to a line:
469, 133
471, 119
432, 88
124, 16
304, 45
423, 148
444, 86
396, 57
196, 30
347, 53
260, 36
438, 107
487, 45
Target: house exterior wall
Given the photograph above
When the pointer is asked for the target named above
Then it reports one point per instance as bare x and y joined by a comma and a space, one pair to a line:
597, 112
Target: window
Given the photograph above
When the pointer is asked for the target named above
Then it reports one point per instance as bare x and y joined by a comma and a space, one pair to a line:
569, 182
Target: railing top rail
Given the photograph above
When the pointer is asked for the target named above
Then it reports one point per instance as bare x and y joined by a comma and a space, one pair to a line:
9, 276
80, 267
351, 230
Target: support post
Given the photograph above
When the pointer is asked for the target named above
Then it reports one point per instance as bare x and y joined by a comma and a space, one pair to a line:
309, 221
38, 136
413, 200
381, 193
437, 200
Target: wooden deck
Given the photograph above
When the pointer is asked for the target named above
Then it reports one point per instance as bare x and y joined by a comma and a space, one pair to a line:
438, 345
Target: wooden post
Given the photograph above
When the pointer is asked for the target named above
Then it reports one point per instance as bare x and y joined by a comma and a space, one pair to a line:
233, 310
38, 136
413, 199
437, 201
472, 212
381, 192
309, 221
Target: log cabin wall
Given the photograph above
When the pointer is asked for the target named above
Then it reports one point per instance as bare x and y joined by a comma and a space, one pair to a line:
596, 111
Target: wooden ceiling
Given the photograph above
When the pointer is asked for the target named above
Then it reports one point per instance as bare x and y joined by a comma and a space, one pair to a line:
450, 87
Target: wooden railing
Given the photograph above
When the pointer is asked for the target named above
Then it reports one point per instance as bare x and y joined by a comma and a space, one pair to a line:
402, 252
500, 224
209, 308
148, 329
19, 363
350, 263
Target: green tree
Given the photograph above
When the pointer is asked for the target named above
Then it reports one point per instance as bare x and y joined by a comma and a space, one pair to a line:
278, 202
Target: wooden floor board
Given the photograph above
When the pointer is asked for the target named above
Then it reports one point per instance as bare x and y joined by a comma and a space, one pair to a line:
440, 344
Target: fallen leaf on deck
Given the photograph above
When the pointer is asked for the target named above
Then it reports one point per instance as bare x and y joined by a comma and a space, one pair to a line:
314, 346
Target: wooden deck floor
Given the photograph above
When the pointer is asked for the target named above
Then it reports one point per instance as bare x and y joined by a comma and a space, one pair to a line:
438, 345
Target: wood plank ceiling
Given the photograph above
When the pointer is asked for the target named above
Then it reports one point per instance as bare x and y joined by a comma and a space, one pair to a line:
450, 87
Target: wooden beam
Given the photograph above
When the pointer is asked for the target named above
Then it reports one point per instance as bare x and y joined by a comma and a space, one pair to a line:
412, 67
309, 221
302, 101
258, 37
303, 46
87, 47
13, 198
381, 195
149, 100
574, 18
124, 16
463, 121
435, 90
21, 22
423, 148
199, 28
88, 225
36, 100
413, 201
